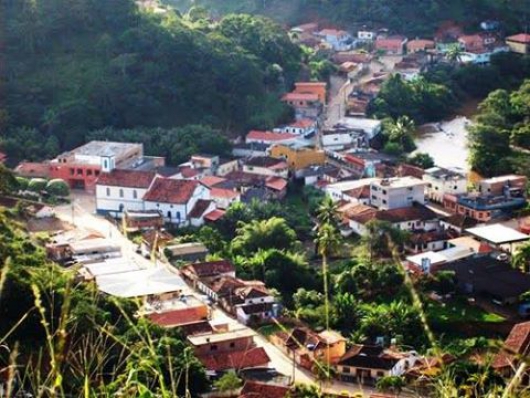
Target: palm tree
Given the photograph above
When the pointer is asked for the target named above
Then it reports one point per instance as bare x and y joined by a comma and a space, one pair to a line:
327, 212
328, 240
521, 258
402, 128
454, 54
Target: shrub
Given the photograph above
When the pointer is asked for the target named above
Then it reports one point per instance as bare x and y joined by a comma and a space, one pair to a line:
37, 184
58, 187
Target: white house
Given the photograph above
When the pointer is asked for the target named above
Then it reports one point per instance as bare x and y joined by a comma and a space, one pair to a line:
444, 181
120, 190
339, 40
366, 35
302, 127
340, 139
345, 189
269, 137
398, 192
175, 199
267, 166
370, 127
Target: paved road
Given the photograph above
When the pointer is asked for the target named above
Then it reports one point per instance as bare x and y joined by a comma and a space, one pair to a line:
82, 214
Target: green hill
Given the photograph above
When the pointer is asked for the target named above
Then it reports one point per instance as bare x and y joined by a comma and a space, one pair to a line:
413, 17
74, 66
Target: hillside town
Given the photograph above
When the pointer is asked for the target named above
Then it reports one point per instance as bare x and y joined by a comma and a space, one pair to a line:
458, 241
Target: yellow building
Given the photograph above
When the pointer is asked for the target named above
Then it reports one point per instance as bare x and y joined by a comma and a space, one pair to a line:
519, 43
298, 157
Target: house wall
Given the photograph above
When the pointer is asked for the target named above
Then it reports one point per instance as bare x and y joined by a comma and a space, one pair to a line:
353, 374
197, 222
237, 344
338, 140
81, 176
283, 173
115, 200
437, 188
299, 159
311, 88
358, 228
520, 48
388, 197
178, 213
336, 350
227, 168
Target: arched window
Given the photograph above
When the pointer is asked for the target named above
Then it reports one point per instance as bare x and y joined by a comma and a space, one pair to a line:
121, 193
135, 194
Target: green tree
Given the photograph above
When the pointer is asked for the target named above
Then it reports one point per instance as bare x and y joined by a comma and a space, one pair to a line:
422, 160
58, 187
521, 257
37, 184
230, 381
273, 233
393, 384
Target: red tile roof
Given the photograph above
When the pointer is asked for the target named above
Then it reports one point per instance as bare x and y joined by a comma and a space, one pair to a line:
178, 317
166, 190
224, 193
269, 136
520, 38
276, 183
254, 357
33, 169
517, 344
300, 97
302, 123
392, 43
420, 44
395, 215
253, 389
211, 181
189, 172
200, 208
214, 215
211, 268
127, 178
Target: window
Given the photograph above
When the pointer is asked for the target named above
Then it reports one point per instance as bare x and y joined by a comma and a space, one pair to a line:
213, 347
380, 374
169, 214
72, 171
178, 215
384, 191
108, 191
345, 369
121, 193
232, 344
135, 194
96, 173
79, 172
105, 164
89, 172
384, 201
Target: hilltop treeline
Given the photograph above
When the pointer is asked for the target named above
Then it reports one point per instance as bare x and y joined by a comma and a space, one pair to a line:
73, 66
414, 17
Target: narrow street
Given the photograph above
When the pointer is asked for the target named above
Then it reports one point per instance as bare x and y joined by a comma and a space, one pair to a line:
81, 213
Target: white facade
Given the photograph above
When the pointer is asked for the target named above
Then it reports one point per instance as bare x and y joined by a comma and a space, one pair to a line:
177, 213
370, 127
336, 191
227, 167
395, 193
441, 182
340, 140
115, 200
338, 40
366, 35
282, 172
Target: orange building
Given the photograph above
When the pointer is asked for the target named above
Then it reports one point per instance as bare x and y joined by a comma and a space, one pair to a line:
318, 88
297, 157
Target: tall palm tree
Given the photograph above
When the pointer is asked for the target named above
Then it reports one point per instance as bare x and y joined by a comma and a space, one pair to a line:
327, 212
328, 240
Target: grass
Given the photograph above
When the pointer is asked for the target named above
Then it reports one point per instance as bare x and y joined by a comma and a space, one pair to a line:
459, 311
269, 330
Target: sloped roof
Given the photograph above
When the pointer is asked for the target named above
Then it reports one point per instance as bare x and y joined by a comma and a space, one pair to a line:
167, 190
211, 268
211, 181
253, 389
214, 215
251, 358
269, 135
127, 178
200, 208
520, 38
276, 183
183, 316
517, 344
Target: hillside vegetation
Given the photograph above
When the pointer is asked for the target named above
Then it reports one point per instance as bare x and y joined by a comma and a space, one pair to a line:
411, 17
73, 66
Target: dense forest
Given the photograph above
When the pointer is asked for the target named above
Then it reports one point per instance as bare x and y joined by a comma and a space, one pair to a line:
414, 17
71, 67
